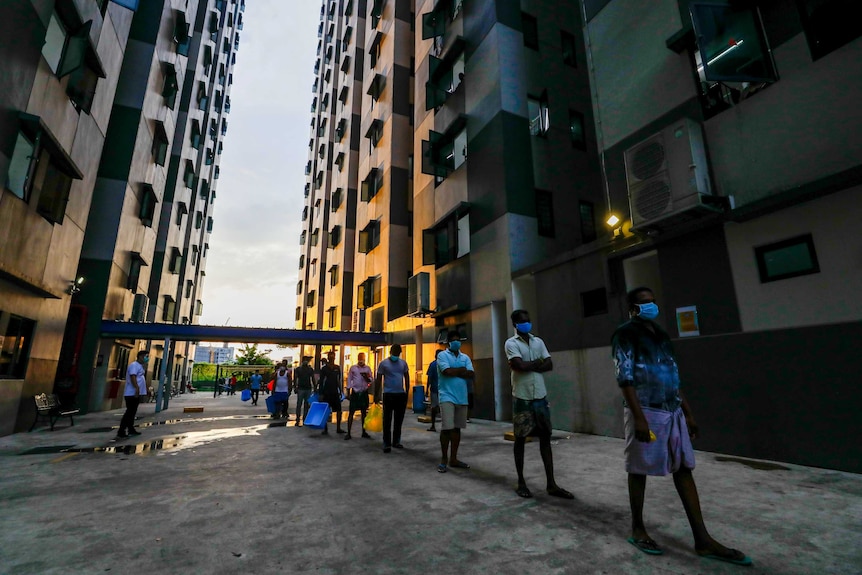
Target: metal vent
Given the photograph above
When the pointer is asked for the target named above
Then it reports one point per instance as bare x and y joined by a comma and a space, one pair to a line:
647, 160
653, 199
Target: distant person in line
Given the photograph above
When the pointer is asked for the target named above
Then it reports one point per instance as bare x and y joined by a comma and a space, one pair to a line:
281, 392
432, 391
394, 374
256, 381
659, 424
233, 385
304, 385
330, 390
454, 370
359, 378
531, 415
136, 387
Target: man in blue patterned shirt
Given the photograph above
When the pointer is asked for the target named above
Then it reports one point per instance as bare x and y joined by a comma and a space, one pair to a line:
659, 424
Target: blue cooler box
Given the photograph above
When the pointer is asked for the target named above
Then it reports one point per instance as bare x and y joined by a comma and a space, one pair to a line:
418, 399
318, 416
270, 403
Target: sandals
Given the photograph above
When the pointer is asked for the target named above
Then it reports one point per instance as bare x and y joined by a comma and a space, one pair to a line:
522, 491
459, 465
442, 468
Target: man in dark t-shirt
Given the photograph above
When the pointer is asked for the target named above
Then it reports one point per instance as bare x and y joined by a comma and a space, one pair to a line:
330, 389
303, 377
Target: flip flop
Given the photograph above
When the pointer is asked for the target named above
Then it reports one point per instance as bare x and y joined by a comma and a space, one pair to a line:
523, 492
745, 561
441, 468
459, 465
560, 492
648, 546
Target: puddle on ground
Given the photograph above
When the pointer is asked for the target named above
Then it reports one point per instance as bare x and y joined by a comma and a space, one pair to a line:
191, 439
46, 449
175, 421
760, 465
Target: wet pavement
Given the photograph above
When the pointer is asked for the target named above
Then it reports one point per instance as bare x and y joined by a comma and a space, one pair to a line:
229, 490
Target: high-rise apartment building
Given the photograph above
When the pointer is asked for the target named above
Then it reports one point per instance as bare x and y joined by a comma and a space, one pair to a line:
113, 125
60, 62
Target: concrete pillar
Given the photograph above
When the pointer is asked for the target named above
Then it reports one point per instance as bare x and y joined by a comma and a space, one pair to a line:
502, 383
161, 396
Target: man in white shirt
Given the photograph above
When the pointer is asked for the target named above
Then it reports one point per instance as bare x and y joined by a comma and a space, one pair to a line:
529, 359
359, 378
136, 387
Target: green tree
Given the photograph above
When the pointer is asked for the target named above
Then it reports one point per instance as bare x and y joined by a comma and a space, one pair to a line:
203, 372
249, 354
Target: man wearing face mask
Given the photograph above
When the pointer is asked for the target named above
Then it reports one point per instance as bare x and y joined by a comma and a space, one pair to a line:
136, 387
303, 383
359, 378
531, 414
454, 370
395, 375
659, 424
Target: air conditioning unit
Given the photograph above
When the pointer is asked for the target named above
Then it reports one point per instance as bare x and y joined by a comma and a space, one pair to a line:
358, 323
139, 307
418, 294
668, 179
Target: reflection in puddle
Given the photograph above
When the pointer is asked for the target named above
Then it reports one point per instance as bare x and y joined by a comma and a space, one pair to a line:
145, 424
176, 443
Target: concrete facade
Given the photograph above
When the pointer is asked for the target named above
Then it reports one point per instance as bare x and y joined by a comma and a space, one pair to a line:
61, 64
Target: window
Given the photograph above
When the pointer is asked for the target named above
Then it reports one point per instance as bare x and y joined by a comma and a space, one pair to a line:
434, 23
195, 135
190, 286
49, 187
301, 261
335, 236
181, 33
369, 293
567, 46
345, 41
378, 83
374, 50
68, 52
135, 265
203, 98
315, 237
148, 205
199, 307
195, 254
530, 28
787, 259
182, 210
298, 313
209, 224
372, 184
333, 276
375, 133
339, 161
545, 213
168, 308
447, 241
446, 152
299, 287
337, 198
376, 12
15, 348
828, 25
576, 130
345, 67
539, 114
160, 144
199, 220
205, 189
55, 42
311, 299
305, 213
176, 262
189, 175
369, 237
312, 267
331, 315
594, 302
444, 76
302, 237
588, 221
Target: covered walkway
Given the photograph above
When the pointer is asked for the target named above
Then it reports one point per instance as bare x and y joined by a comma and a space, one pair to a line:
176, 332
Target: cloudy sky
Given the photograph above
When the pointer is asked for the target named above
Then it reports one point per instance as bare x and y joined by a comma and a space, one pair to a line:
254, 248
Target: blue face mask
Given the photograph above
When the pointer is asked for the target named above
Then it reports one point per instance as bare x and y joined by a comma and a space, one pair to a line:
525, 327
455, 345
647, 310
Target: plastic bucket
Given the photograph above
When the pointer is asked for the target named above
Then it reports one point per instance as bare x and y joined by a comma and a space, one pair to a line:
318, 415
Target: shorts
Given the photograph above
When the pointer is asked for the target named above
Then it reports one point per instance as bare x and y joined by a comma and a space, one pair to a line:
334, 402
531, 418
358, 400
671, 449
452, 416
435, 399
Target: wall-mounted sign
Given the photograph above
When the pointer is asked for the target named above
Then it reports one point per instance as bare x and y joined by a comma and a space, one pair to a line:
686, 321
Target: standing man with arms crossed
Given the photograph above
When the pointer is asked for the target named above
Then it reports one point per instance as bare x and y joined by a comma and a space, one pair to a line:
359, 378
455, 369
395, 375
529, 359
136, 387
659, 424
330, 389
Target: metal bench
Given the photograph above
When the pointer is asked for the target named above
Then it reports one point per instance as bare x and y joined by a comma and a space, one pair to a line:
48, 406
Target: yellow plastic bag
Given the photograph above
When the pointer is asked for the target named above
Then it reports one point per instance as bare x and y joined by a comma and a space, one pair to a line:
374, 418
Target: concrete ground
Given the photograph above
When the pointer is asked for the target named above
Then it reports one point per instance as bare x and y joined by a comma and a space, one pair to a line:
223, 492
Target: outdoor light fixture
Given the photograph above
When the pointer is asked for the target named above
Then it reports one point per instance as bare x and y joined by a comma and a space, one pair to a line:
75, 286
613, 221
